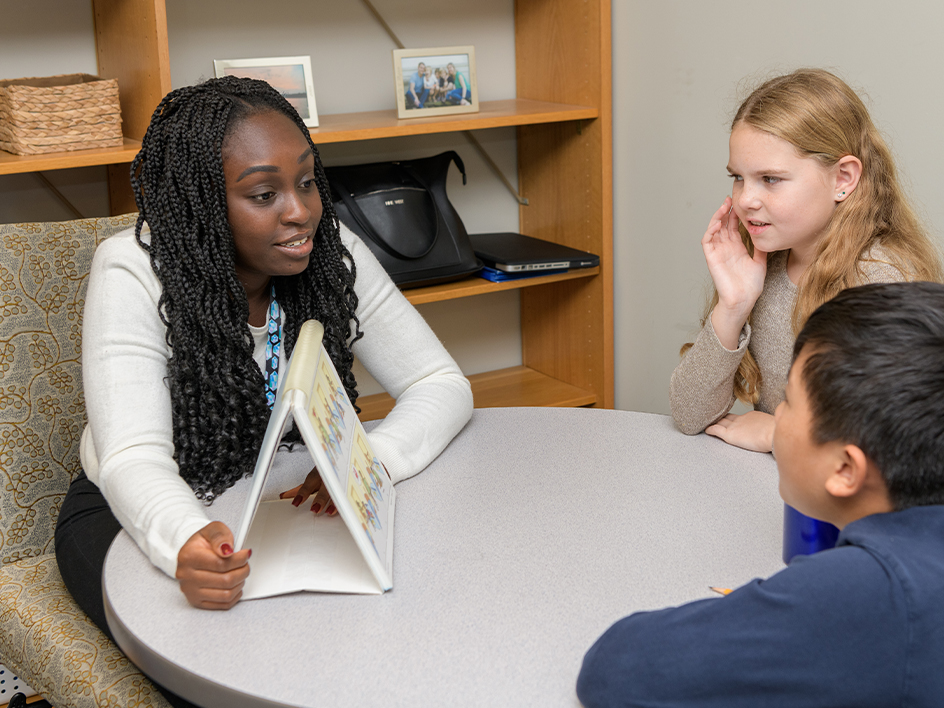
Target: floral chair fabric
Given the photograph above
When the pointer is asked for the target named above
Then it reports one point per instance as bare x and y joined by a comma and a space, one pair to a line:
44, 636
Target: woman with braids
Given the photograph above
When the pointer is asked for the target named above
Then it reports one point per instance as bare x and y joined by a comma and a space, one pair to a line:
815, 208
236, 238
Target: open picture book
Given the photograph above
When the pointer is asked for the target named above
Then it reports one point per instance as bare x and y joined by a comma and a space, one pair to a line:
292, 548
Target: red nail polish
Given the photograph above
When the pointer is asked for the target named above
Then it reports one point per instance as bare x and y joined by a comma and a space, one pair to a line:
297, 500
226, 549
316, 507
249, 555
332, 510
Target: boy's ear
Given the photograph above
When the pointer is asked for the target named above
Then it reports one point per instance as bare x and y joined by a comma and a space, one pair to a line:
850, 473
848, 172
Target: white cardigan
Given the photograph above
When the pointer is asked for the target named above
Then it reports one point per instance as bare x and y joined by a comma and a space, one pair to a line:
127, 447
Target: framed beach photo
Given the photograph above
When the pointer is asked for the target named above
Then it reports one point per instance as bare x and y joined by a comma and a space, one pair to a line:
290, 76
435, 82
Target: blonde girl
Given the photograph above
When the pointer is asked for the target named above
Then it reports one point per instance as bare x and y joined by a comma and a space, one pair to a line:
815, 208
430, 83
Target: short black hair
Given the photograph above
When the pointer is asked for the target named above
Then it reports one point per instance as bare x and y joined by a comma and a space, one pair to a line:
875, 379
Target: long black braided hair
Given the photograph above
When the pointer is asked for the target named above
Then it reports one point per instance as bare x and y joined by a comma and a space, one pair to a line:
217, 391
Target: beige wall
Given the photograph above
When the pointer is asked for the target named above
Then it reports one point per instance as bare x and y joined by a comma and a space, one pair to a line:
677, 66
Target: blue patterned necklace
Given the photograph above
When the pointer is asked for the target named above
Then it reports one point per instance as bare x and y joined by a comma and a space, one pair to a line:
273, 350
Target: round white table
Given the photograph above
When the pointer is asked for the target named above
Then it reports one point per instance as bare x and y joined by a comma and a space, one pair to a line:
534, 531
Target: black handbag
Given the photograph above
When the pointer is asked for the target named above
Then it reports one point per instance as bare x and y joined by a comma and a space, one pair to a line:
401, 211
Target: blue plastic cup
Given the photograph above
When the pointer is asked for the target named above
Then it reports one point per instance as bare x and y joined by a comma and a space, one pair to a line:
804, 536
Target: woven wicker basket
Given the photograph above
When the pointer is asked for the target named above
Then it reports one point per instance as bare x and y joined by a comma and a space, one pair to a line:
59, 113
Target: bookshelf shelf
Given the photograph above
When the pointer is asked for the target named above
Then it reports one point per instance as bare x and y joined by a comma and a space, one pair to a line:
338, 128
344, 127
14, 164
515, 386
479, 286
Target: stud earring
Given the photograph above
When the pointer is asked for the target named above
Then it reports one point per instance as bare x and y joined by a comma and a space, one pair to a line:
840, 195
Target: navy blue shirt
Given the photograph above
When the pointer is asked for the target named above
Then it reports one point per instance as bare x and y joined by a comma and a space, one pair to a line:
859, 625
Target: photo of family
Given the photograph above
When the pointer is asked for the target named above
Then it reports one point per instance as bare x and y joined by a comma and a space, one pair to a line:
290, 76
435, 81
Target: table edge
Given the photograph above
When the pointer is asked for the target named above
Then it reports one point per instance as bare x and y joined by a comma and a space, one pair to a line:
187, 684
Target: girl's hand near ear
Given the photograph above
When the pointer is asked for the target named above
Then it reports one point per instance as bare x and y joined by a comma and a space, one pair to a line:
752, 431
738, 278
211, 575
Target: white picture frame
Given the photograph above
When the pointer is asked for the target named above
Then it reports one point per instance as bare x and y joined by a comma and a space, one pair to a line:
290, 76
458, 93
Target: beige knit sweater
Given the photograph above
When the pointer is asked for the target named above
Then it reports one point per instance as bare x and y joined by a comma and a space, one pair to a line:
702, 387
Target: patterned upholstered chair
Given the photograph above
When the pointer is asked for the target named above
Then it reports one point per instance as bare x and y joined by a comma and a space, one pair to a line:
44, 637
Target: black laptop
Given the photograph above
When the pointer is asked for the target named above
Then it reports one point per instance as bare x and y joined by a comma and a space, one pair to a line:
516, 253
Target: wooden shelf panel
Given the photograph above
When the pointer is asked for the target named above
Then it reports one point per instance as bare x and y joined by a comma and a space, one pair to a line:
14, 164
338, 128
516, 386
344, 127
479, 286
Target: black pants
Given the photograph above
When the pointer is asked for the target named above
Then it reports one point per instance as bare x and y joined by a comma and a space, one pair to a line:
85, 530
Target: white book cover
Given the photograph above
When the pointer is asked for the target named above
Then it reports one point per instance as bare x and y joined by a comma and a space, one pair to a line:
293, 549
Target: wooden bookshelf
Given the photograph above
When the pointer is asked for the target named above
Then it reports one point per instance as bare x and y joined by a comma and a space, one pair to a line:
563, 54
562, 116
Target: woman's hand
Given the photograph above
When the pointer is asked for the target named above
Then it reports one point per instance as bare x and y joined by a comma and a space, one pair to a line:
211, 576
315, 488
752, 431
738, 278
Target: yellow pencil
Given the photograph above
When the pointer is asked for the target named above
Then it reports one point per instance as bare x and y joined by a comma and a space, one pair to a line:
720, 591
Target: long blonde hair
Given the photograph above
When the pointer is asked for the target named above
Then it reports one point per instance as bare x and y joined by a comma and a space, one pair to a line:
825, 120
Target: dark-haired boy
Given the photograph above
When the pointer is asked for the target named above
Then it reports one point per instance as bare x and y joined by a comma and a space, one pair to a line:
859, 443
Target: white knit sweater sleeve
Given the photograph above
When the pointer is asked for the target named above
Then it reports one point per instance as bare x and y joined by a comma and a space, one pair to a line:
434, 399
127, 447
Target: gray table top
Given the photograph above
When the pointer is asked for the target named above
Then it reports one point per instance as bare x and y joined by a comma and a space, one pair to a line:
534, 531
